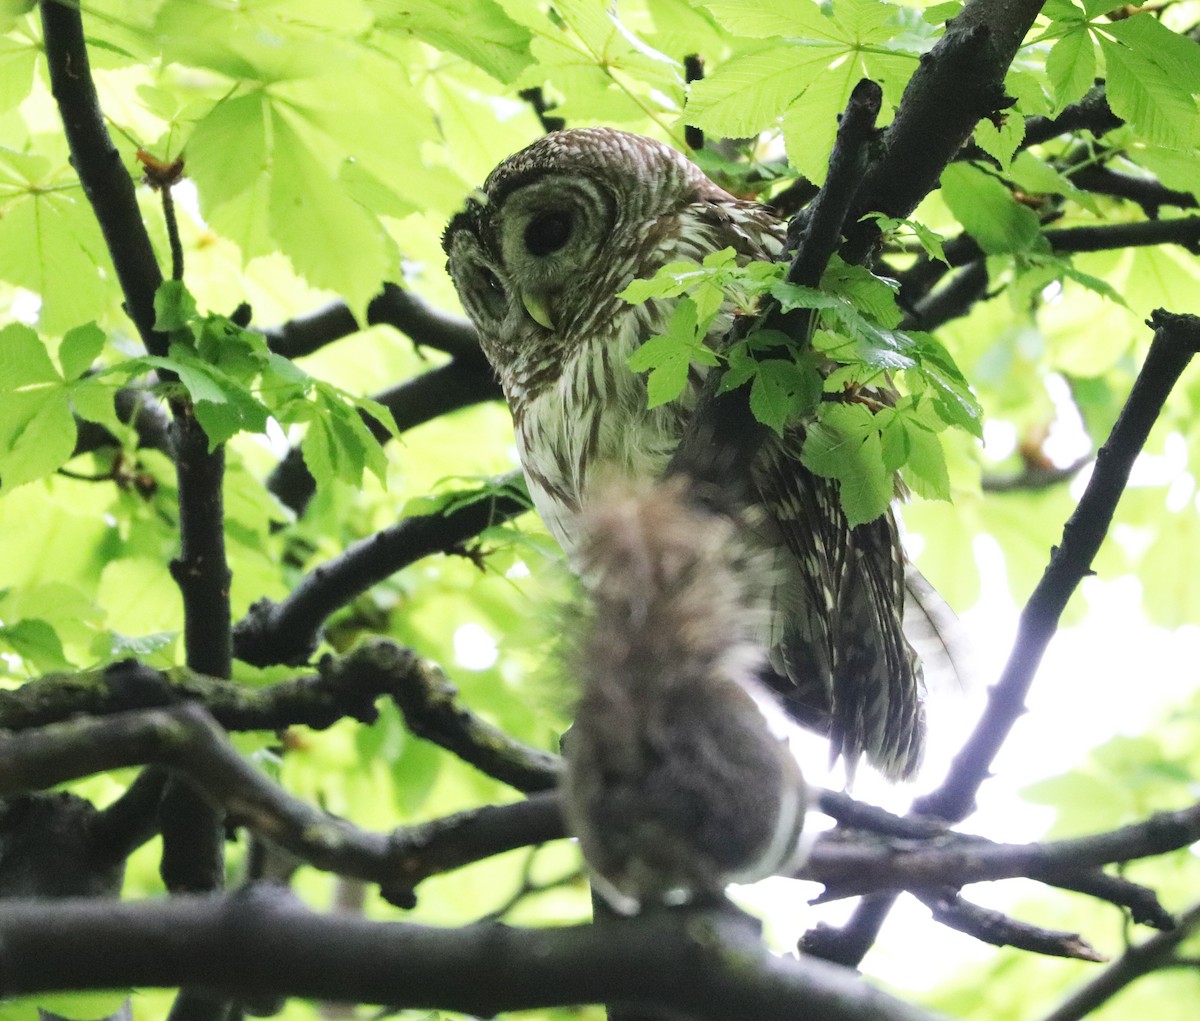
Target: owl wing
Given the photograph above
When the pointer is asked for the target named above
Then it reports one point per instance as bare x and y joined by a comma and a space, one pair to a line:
839, 651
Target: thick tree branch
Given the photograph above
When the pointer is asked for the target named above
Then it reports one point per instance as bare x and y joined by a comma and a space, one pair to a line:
1156, 952
1176, 340
849, 866
916, 283
1147, 192
425, 325
708, 964
1092, 113
346, 686
289, 631
921, 858
192, 833
106, 183
959, 81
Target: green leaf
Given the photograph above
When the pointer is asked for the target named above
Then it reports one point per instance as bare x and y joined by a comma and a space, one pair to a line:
988, 211
494, 42
36, 642
51, 243
792, 296
783, 390
766, 18
79, 349
745, 95
1038, 177
844, 444
669, 356
925, 462
174, 307
329, 238
37, 429
1000, 141
338, 444
1151, 79
18, 58
668, 281
1071, 67
871, 295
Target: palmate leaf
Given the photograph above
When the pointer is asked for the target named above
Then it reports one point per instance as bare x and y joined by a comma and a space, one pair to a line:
1145, 90
37, 429
746, 94
845, 444
330, 239
50, 242
668, 357
762, 19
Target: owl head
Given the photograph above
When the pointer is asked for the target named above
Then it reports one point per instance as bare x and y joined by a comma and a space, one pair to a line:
541, 251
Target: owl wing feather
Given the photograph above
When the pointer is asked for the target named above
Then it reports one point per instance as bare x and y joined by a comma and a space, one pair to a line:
840, 655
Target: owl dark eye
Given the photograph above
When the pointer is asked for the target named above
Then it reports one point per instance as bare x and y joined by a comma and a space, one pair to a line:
547, 233
491, 281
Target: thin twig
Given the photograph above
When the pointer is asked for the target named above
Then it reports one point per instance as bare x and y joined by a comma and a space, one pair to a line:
1154, 953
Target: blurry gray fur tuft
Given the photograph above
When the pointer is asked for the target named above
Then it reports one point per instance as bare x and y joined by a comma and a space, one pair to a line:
679, 777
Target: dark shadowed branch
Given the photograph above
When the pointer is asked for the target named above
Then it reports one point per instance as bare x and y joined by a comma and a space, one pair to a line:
895, 854
344, 687
289, 631
192, 832
930, 308
958, 82
106, 183
1176, 339
425, 325
706, 963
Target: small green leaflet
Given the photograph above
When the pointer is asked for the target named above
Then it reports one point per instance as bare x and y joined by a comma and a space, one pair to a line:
844, 444
37, 424
668, 357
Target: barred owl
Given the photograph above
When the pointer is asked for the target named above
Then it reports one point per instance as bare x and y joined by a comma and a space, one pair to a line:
538, 257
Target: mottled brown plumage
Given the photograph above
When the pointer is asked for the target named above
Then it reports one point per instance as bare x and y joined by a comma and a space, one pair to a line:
538, 258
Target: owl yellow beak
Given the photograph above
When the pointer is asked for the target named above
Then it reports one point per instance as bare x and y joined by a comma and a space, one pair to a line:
537, 310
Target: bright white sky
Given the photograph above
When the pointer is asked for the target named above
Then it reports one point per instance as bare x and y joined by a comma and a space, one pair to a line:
1080, 699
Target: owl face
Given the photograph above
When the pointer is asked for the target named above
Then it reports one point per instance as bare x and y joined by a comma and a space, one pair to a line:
557, 230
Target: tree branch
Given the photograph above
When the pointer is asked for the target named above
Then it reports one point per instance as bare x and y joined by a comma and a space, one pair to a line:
1154, 953
289, 631
192, 833
106, 183
959, 81
988, 926
1176, 340
707, 963
394, 306
917, 283
345, 686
